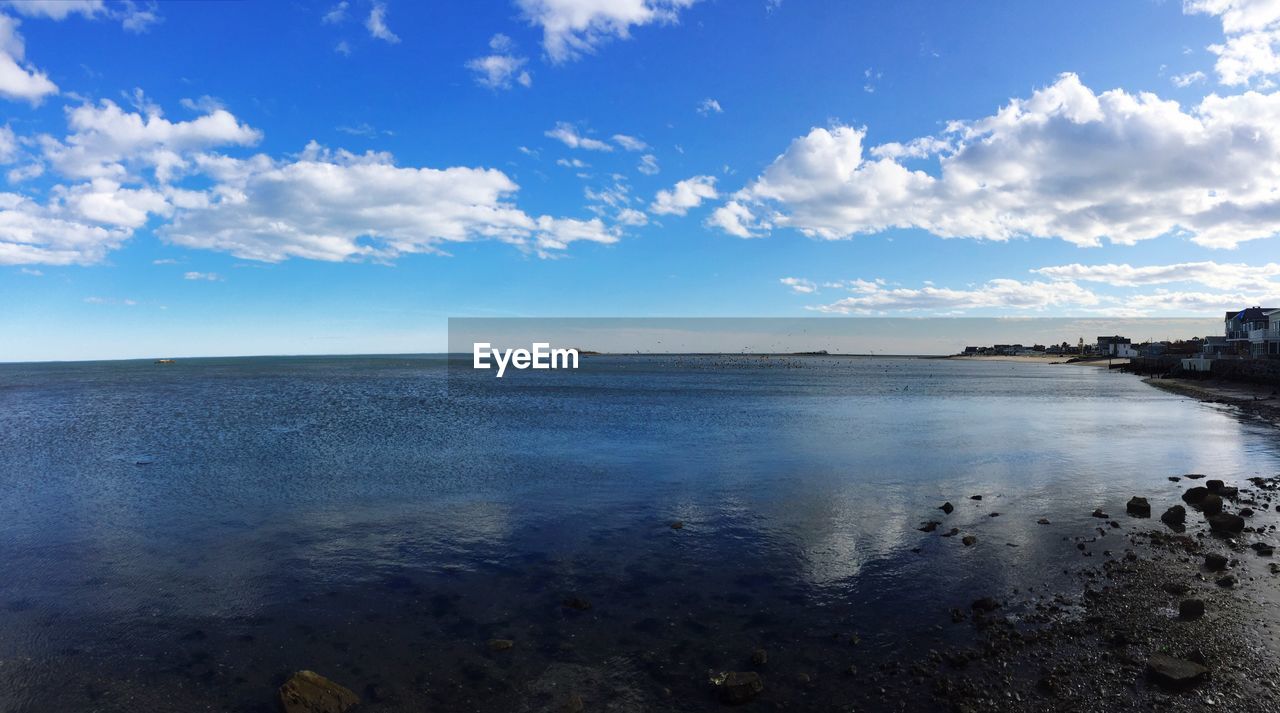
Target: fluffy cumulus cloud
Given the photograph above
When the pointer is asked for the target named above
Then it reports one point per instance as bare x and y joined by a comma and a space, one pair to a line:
503, 68
1064, 163
19, 80
799, 285
1251, 50
376, 23
335, 205
121, 170
685, 195
572, 28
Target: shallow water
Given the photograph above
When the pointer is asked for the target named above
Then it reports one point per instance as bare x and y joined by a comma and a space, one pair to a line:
182, 537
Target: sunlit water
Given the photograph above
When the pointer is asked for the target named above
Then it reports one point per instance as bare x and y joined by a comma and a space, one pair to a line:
182, 537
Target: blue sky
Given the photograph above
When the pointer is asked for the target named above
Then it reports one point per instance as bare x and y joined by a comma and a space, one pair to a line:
247, 178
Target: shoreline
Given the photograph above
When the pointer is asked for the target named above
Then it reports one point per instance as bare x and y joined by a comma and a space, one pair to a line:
1253, 399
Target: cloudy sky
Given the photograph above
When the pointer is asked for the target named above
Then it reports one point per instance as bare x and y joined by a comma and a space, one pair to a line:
245, 178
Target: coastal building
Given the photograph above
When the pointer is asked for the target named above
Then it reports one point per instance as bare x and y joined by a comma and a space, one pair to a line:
1251, 332
1116, 346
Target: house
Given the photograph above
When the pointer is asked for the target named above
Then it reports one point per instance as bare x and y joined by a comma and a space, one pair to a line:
1215, 347
1154, 349
1251, 332
1116, 346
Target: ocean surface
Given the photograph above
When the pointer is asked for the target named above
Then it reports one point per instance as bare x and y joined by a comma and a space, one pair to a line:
183, 537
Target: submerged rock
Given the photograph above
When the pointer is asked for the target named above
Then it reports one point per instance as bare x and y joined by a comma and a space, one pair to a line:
984, 605
968, 540
738, 687
1138, 507
759, 657
1191, 608
309, 692
1226, 522
929, 526
1175, 673
501, 644
1176, 515
677, 525
577, 603
947, 507
1100, 515
1043, 521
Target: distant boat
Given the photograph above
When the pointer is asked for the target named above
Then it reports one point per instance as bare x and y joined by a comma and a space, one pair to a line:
165, 361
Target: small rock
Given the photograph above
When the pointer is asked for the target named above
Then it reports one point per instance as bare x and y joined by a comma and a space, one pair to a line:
738, 687
1227, 582
984, 605
759, 657
1214, 486
1194, 476
1194, 495
1043, 521
1226, 522
577, 603
1246, 512
501, 644
309, 692
574, 704
1215, 562
975, 497
929, 526
1174, 673
1211, 504
968, 540
1176, 515
1191, 609
1262, 549
952, 533
1138, 507
1177, 588
947, 508
1099, 514
994, 514
1174, 478
677, 525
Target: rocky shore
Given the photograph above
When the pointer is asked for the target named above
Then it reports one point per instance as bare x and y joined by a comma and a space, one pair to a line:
1261, 401
1174, 610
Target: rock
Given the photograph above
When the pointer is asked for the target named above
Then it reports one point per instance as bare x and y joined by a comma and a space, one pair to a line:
947, 507
309, 692
1226, 522
1215, 562
968, 540
1194, 476
1138, 507
1228, 581
929, 526
574, 704
975, 497
1214, 486
1262, 549
952, 533
577, 603
759, 657
1275, 568
994, 514
1177, 588
1174, 673
1211, 505
1194, 495
1174, 478
1246, 512
1043, 521
1101, 515
1176, 515
984, 605
738, 687
501, 644
677, 525
1191, 609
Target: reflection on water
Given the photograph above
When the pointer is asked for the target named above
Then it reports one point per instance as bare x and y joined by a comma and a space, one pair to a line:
187, 535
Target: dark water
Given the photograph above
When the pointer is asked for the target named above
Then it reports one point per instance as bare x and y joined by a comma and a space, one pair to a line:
183, 537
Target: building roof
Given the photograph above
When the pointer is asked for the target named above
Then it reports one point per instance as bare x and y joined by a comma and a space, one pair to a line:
1251, 314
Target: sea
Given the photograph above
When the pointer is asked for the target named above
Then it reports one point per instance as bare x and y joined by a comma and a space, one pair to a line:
185, 536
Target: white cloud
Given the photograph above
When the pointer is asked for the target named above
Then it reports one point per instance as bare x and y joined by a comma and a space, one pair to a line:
735, 219
56, 9
648, 165
334, 205
501, 69
8, 145
377, 24
572, 28
106, 139
685, 195
1186, 80
1065, 163
105, 201
34, 234
876, 298
1251, 52
709, 106
572, 163
633, 217
1223, 276
202, 276
630, 143
18, 81
568, 135
33, 273
343, 48
337, 14
799, 285
134, 17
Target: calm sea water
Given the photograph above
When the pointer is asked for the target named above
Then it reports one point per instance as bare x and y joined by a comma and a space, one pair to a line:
182, 537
